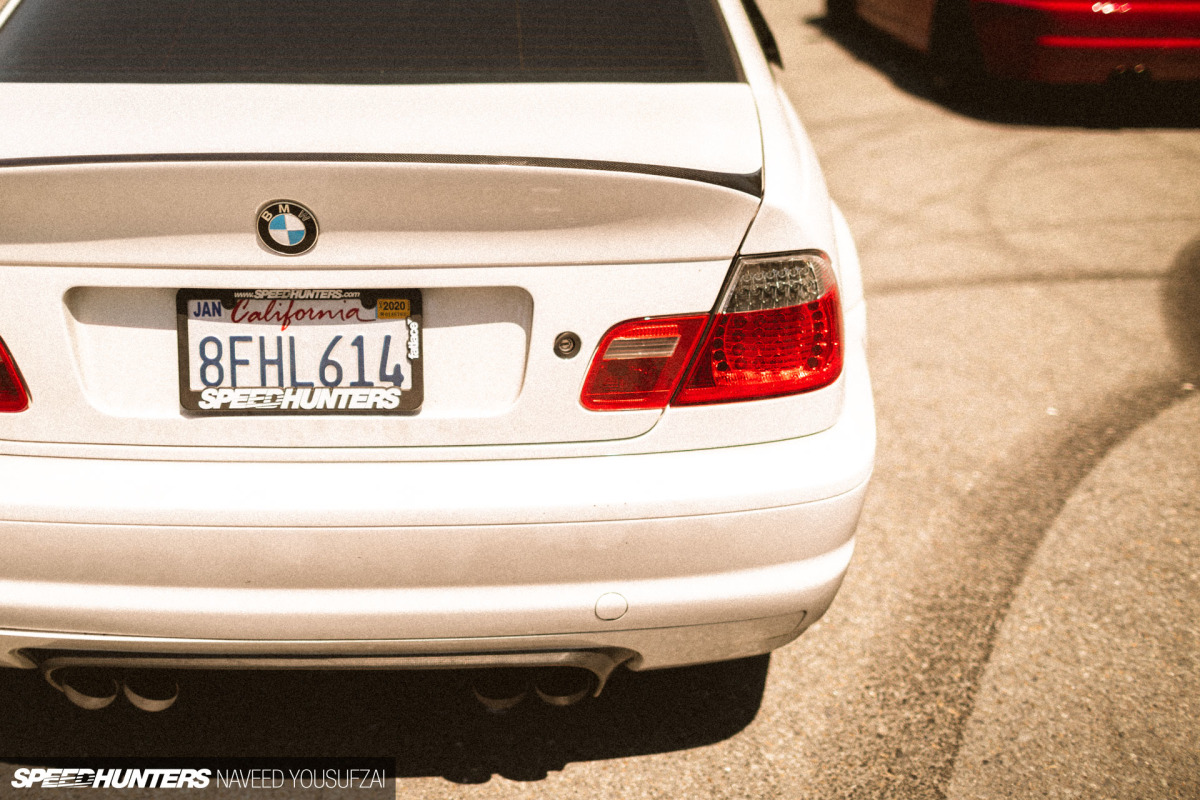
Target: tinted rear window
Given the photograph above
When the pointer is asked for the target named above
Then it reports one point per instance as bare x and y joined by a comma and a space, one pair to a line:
364, 41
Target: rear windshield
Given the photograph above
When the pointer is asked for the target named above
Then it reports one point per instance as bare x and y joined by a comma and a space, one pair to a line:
364, 41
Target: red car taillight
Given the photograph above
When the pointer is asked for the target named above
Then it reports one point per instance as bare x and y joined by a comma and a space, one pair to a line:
776, 331
13, 396
639, 363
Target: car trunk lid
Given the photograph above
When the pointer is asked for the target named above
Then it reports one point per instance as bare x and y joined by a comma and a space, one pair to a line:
566, 219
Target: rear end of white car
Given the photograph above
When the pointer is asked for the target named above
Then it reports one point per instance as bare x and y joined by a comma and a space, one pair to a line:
428, 374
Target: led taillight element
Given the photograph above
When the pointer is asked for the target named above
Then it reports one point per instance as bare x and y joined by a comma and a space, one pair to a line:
777, 331
13, 396
639, 363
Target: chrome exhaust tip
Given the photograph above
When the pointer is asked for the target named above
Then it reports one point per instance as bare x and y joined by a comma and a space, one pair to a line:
500, 690
87, 687
150, 691
563, 686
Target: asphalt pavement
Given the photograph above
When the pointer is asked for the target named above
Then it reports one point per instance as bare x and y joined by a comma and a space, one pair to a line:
1019, 620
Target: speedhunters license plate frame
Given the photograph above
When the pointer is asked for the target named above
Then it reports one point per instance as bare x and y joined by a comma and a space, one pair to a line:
330, 352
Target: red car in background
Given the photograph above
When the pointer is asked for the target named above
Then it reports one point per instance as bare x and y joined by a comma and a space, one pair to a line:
1050, 41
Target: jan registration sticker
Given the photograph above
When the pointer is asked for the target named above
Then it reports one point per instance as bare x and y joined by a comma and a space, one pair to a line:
300, 351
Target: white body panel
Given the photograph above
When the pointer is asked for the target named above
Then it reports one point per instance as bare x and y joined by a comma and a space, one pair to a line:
392, 215
711, 127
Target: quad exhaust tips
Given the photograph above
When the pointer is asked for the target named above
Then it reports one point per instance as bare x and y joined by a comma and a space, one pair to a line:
497, 690
95, 688
501, 681
501, 690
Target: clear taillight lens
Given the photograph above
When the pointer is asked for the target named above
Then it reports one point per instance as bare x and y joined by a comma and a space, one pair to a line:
639, 363
13, 396
777, 332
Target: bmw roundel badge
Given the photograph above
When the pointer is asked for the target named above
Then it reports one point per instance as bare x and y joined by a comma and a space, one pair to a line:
286, 227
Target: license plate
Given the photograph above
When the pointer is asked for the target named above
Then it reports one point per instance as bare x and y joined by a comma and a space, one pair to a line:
300, 351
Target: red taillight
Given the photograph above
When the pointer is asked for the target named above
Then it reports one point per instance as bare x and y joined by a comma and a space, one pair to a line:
776, 331
12, 389
639, 363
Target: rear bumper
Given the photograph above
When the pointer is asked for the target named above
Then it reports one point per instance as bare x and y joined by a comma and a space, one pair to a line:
716, 553
1078, 41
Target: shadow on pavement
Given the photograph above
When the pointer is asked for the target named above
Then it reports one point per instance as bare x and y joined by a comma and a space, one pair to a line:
1181, 307
428, 722
1113, 105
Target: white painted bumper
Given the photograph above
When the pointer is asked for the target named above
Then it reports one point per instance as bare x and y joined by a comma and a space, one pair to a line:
719, 553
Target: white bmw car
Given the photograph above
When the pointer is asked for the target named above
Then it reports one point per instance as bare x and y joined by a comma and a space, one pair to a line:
518, 336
